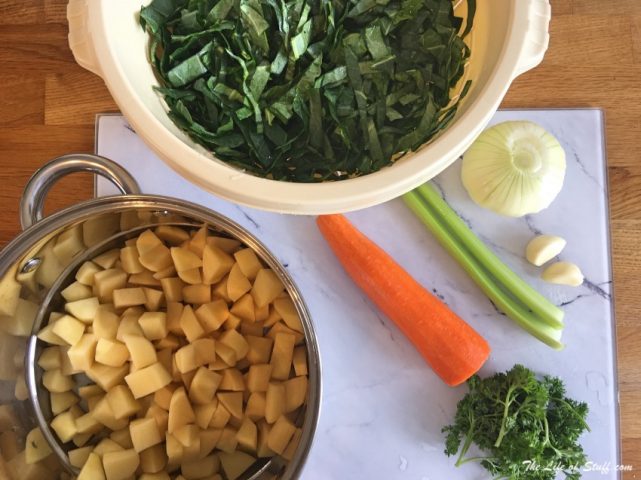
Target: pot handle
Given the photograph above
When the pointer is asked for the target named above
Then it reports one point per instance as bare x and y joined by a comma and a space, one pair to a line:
535, 23
35, 192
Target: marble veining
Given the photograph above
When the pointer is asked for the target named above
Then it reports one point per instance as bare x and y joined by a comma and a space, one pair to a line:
383, 408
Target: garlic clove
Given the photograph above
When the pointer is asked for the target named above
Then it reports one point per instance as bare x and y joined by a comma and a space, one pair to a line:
563, 273
544, 248
514, 168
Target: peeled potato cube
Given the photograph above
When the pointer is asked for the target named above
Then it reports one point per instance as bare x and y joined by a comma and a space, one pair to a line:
200, 469
261, 314
212, 315
174, 451
89, 391
260, 349
153, 461
54, 381
128, 326
267, 287
129, 297
280, 327
103, 413
92, 468
148, 380
205, 350
141, 350
233, 403
258, 377
105, 324
295, 393
248, 262
162, 397
190, 324
184, 259
108, 281
198, 241
247, 435
233, 322
107, 377
111, 353
204, 413
300, 361
244, 308
160, 416
129, 260
144, 279
228, 441
280, 434
68, 329
46, 335
216, 264
147, 241
287, 310
275, 402
227, 245
156, 259
173, 289
180, 410
237, 283
120, 465
220, 417
255, 408
86, 272
87, 424
78, 457
197, 294
107, 445
186, 360
203, 386
220, 290
208, 440
62, 401
122, 402
107, 259
187, 435
155, 299
282, 355
234, 464
144, 433
76, 291
292, 446
65, 426
236, 342
49, 358
172, 235
81, 355
36, 447
232, 380
165, 273
227, 354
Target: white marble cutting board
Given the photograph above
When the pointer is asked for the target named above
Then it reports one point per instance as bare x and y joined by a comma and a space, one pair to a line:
382, 407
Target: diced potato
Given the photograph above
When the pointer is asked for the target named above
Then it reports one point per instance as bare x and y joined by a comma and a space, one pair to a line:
208, 440
46, 335
198, 469
129, 297
111, 353
92, 468
244, 308
197, 294
76, 291
273, 317
54, 381
260, 349
237, 283
129, 260
107, 445
255, 329
232, 380
173, 289
204, 413
186, 360
20, 323
49, 358
247, 435
227, 354
292, 446
144, 279
190, 324
148, 380
122, 402
187, 434
165, 273
258, 377
187, 378
103, 413
81, 355
282, 355
174, 451
180, 410
198, 241
78, 457
287, 310
161, 416
280, 434
86, 272
233, 322
255, 408
203, 386
155, 299
216, 264
212, 315
69, 329
62, 401
122, 437
233, 403
267, 287
228, 441
154, 459
221, 417
295, 393
275, 402
205, 350
166, 357
227, 245
120, 465
248, 262
184, 259
128, 326
65, 364
107, 282
236, 342
65, 426
105, 324
191, 277
107, 259
234, 464
261, 314
280, 327
300, 361
87, 424
107, 377
174, 312
144, 433
220, 289
172, 235
141, 351
156, 259
81, 439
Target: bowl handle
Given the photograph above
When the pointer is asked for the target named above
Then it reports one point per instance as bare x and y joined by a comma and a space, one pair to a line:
80, 40
535, 19
35, 192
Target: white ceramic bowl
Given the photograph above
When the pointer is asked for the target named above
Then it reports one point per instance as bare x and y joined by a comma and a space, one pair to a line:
509, 37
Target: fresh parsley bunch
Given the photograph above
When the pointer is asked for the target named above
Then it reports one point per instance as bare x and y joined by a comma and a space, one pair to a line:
525, 427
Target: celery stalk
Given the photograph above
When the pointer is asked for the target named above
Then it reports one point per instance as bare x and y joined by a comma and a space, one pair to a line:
532, 299
529, 321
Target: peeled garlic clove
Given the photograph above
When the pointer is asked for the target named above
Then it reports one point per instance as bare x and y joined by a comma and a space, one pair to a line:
514, 168
563, 273
544, 248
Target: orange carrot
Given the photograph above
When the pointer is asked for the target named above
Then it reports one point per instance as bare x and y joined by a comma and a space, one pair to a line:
453, 349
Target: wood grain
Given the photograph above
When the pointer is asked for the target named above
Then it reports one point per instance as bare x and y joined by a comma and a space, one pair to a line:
48, 104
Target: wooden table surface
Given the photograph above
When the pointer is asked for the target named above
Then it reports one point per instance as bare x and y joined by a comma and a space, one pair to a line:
48, 104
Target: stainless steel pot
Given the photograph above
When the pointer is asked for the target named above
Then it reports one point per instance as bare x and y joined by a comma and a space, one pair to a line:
32, 271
